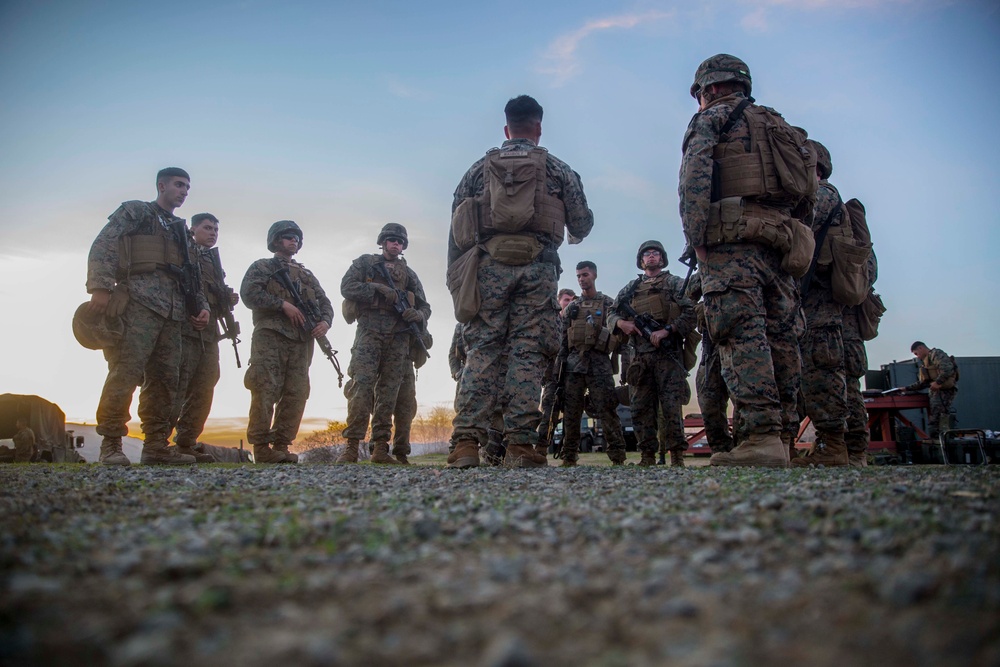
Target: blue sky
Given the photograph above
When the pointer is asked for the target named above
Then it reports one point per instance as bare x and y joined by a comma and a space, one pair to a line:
345, 116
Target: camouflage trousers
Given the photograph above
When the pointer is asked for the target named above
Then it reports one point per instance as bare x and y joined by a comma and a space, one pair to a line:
824, 380
518, 318
750, 309
657, 379
378, 364
278, 380
713, 397
405, 412
548, 400
855, 365
602, 404
940, 416
199, 374
149, 354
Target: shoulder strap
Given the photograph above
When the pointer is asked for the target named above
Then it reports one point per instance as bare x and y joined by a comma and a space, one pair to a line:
820, 239
734, 116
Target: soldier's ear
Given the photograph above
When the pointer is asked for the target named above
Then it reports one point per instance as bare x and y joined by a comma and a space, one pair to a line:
506, 131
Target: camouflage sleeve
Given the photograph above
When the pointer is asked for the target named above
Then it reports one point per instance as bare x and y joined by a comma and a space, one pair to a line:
102, 262
471, 184
946, 369
579, 217
418, 292
613, 315
456, 353
254, 292
355, 285
688, 319
325, 306
695, 182
564, 323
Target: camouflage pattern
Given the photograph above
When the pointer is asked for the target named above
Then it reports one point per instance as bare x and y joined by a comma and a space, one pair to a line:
404, 412
713, 396
24, 445
150, 349
824, 383
280, 353
656, 375
518, 316
750, 301
380, 357
456, 353
940, 415
855, 366
549, 386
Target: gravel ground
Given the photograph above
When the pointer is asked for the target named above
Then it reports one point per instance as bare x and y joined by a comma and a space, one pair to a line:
342, 565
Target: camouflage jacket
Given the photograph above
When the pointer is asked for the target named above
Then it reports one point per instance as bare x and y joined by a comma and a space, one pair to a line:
156, 290
938, 367
561, 180
456, 353
682, 325
264, 295
216, 293
584, 361
374, 314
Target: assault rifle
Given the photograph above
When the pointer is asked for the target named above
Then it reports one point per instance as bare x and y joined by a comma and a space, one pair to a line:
223, 293
690, 260
189, 275
401, 304
312, 315
644, 323
558, 404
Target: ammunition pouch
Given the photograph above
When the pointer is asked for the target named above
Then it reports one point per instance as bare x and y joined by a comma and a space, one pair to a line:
349, 309
463, 283
513, 249
849, 277
145, 253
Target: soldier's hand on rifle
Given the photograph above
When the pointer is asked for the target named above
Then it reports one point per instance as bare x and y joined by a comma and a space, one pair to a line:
201, 321
293, 314
320, 329
387, 292
234, 297
659, 335
627, 327
99, 301
413, 316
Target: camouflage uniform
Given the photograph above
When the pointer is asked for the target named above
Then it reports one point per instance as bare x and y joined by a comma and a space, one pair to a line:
200, 360
549, 385
380, 357
280, 352
750, 301
518, 316
656, 375
713, 396
855, 366
24, 445
149, 353
587, 369
938, 367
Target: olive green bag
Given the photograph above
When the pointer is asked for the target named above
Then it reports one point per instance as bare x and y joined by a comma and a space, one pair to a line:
463, 283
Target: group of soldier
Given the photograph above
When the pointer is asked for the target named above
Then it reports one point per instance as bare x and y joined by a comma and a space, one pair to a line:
776, 338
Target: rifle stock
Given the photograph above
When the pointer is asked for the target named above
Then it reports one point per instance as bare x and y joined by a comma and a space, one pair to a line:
230, 327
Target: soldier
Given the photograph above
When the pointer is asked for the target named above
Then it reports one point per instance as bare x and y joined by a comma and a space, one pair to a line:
742, 233
521, 229
281, 349
382, 344
939, 373
656, 372
456, 354
586, 343
549, 380
135, 272
24, 442
406, 400
713, 396
200, 348
824, 379
855, 365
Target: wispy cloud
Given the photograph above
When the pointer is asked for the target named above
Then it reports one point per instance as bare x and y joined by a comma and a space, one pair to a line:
760, 10
406, 91
560, 59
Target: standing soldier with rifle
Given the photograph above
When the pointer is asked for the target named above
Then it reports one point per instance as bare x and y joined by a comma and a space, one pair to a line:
387, 299
139, 271
200, 348
584, 365
654, 312
290, 310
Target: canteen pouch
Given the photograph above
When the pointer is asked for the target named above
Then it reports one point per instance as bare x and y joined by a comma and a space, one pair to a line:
463, 283
513, 249
849, 276
798, 258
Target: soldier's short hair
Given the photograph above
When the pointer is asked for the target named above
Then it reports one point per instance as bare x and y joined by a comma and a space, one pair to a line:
522, 111
919, 343
587, 264
565, 290
199, 218
167, 172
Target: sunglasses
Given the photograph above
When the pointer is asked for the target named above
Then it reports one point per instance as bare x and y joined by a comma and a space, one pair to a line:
289, 237
393, 239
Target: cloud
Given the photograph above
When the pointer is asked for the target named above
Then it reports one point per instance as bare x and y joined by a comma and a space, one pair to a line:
757, 19
406, 91
560, 58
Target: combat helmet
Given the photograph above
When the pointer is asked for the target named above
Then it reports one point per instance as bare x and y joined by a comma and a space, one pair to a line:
824, 163
654, 245
719, 68
95, 331
279, 228
393, 229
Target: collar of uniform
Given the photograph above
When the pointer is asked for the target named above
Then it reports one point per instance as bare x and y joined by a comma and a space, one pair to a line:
511, 142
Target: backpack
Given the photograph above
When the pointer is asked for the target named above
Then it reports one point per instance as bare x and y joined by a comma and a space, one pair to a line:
511, 179
870, 315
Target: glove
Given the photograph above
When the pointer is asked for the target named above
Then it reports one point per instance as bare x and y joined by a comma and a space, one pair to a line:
413, 316
387, 292
118, 301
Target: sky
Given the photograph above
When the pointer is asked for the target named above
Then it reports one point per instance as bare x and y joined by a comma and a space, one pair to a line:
344, 116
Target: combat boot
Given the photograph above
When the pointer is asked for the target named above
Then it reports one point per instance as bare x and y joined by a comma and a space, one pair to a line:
523, 456
495, 450
648, 459
857, 450
159, 453
350, 453
663, 459
764, 450
111, 453
466, 454
400, 456
264, 454
676, 458
200, 456
569, 458
789, 441
829, 451
283, 450
380, 454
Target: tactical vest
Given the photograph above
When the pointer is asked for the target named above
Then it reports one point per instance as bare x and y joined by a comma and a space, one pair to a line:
296, 272
400, 279
587, 328
650, 297
930, 373
839, 228
145, 253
